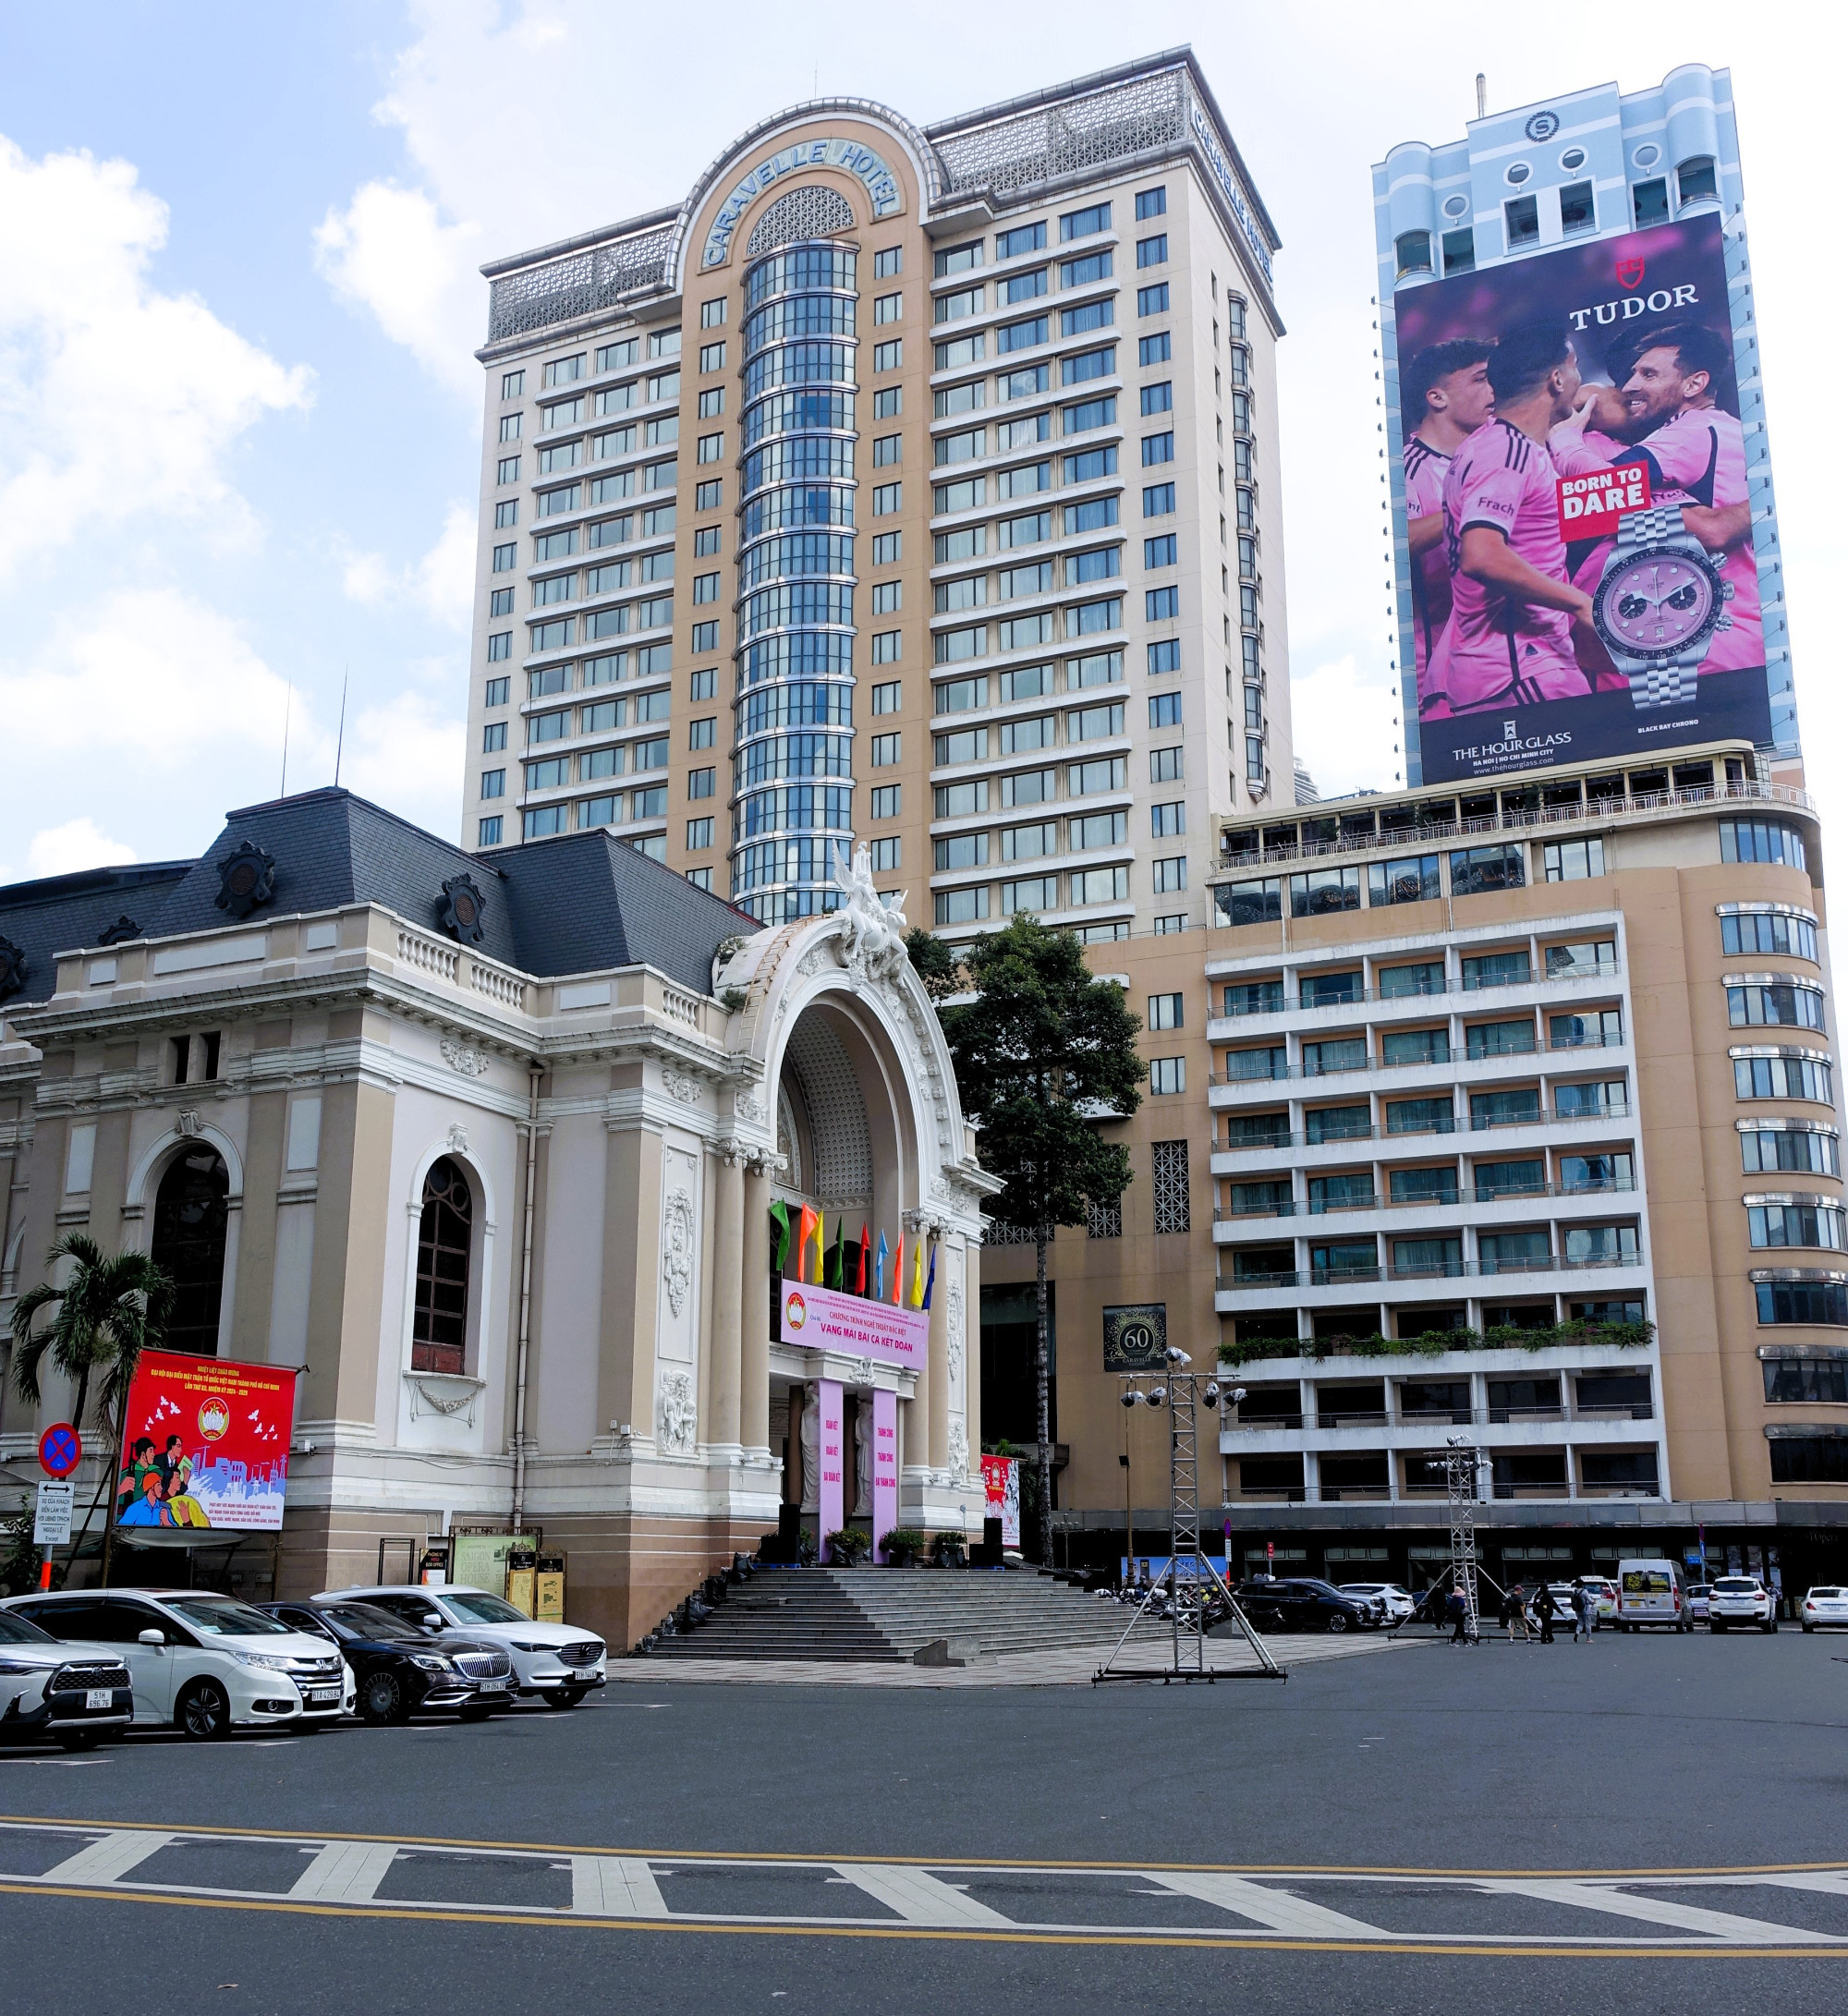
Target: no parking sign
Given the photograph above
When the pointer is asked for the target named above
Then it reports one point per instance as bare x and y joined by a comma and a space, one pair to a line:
60, 1450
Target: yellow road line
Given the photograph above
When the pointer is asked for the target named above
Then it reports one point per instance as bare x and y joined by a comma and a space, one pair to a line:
745, 1856
1214, 1942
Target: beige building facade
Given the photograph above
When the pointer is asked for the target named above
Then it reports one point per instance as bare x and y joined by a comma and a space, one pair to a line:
488, 1155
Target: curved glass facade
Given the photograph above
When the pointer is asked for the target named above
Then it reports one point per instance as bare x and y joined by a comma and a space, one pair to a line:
793, 711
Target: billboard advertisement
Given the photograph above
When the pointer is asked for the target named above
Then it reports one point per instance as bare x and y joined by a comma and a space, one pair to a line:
1574, 501
205, 1442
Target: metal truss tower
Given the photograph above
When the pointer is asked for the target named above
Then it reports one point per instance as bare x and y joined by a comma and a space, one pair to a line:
1462, 1468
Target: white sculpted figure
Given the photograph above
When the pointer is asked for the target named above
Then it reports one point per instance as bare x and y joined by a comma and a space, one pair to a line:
873, 933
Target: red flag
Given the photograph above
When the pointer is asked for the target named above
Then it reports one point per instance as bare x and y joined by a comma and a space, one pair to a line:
859, 1283
809, 1222
898, 1271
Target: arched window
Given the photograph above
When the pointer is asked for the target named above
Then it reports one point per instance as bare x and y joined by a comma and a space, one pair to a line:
439, 1328
191, 1209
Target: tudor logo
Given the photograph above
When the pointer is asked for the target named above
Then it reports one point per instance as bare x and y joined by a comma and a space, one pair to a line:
1630, 270
794, 1310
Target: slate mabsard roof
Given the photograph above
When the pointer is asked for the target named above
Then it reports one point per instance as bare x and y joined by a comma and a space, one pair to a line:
581, 903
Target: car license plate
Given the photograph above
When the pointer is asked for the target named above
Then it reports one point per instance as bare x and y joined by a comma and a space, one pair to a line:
324, 1694
494, 1687
98, 1697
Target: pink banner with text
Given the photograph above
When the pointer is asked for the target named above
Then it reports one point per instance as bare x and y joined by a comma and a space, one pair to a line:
825, 1319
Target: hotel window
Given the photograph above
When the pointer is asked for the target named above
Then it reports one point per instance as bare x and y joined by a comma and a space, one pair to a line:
1695, 182
698, 834
1152, 300
712, 313
497, 693
488, 832
1152, 251
1476, 871
1017, 243
887, 308
1165, 766
505, 514
665, 343
1523, 213
513, 383
1412, 252
706, 496
884, 499
885, 698
1761, 840
613, 356
701, 783
1157, 448
510, 427
1166, 821
1158, 399
705, 635
1578, 211
1651, 202
884, 751
885, 647
1164, 604
1082, 223
1459, 252
888, 356
1170, 875
562, 370
1811, 1379
1167, 1074
507, 470
500, 603
500, 644
1164, 710
493, 784
887, 261
711, 356
885, 801
701, 734
1573, 860
885, 856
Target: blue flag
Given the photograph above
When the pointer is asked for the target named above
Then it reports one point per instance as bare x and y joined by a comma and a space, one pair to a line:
931, 1282
878, 1274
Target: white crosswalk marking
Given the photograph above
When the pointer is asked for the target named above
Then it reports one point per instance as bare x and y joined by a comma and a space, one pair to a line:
1277, 1910
615, 1887
104, 1861
345, 1872
917, 1897
1659, 1910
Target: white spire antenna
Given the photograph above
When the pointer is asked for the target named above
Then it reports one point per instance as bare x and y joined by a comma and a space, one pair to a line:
288, 704
340, 740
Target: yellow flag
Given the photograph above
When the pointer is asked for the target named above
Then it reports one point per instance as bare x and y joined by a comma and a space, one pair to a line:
916, 1298
821, 1245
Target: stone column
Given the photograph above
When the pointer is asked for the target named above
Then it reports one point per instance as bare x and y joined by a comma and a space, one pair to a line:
754, 1308
727, 1296
972, 1366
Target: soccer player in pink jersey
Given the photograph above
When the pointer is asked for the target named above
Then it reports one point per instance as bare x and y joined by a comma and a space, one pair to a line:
1695, 456
1447, 386
1509, 642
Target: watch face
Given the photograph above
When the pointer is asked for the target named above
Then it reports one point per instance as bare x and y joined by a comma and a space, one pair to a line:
1657, 605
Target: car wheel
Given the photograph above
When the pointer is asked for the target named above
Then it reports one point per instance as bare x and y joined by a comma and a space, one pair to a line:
381, 1699
568, 1698
1338, 1620
203, 1712
78, 1738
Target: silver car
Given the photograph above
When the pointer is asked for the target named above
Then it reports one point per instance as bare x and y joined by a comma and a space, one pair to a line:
74, 1694
556, 1662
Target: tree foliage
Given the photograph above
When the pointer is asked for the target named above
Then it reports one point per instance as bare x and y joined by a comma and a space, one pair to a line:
1044, 1054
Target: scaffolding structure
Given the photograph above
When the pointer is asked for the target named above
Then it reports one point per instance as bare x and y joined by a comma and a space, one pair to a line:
1189, 1577
1463, 1463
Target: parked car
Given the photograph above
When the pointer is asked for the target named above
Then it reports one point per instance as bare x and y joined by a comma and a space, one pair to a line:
75, 1695
1400, 1606
1698, 1594
397, 1672
556, 1662
1307, 1605
200, 1663
1825, 1606
1740, 1600
1650, 1592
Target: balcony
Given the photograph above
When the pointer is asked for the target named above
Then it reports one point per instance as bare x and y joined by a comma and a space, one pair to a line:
1539, 1117
1453, 1200
1464, 1057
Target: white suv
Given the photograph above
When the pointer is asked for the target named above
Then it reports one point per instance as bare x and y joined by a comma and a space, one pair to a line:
1740, 1600
74, 1694
558, 1662
200, 1663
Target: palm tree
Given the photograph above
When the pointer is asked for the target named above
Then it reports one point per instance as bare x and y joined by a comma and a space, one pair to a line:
109, 1311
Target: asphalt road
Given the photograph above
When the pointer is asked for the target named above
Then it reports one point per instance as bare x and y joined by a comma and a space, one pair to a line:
1408, 1819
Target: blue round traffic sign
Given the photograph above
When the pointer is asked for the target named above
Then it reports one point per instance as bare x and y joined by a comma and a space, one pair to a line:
60, 1450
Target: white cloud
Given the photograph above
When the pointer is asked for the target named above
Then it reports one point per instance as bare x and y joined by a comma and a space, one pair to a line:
116, 401
1346, 728
63, 850
406, 753
440, 584
390, 251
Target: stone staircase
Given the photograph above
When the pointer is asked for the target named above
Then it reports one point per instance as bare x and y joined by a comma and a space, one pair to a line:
891, 1614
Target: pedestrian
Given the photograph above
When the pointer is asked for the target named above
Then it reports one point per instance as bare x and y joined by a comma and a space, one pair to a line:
1585, 1613
1457, 1610
1546, 1606
1518, 1633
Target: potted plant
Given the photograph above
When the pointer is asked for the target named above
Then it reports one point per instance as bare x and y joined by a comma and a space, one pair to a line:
949, 1551
904, 1545
850, 1547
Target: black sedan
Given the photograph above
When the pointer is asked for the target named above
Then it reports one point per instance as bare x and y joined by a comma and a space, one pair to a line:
399, 1671
1305, 1604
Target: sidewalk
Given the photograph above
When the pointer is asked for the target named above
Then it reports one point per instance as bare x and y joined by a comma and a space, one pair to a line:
1073, 1669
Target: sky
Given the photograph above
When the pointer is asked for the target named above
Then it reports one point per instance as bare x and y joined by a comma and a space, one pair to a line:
239, 411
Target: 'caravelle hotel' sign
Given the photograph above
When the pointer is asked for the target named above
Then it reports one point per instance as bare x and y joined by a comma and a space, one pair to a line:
855, 156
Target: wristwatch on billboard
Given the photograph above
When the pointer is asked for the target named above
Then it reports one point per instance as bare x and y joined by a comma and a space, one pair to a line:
1658, 605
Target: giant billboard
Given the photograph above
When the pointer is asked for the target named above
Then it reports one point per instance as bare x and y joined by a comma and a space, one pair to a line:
205, 1442
1575, 498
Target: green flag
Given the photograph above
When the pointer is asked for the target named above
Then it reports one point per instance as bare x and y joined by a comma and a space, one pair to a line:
837, 1259
779, 1213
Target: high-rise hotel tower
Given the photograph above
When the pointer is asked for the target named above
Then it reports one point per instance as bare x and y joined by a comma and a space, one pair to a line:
913, 488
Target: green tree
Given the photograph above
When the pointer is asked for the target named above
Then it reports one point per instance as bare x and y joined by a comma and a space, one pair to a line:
1043, 1053
110, 1309
933, 963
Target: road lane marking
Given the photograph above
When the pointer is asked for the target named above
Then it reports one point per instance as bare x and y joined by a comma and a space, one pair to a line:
919, 1897
104, 1861
614, 1887
1656, 1910
345, 1873
1275, 1911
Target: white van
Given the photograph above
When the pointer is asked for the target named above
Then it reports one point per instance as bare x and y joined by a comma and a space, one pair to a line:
1650, 1592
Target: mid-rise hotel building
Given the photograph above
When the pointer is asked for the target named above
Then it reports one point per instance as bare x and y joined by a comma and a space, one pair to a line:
907, 487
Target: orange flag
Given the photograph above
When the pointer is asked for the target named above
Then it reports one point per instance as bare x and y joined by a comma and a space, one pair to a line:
806, 1232
898, 1271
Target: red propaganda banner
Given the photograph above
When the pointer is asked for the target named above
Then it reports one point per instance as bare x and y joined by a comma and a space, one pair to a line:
205, 1443
1001, 1486
1590, 506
